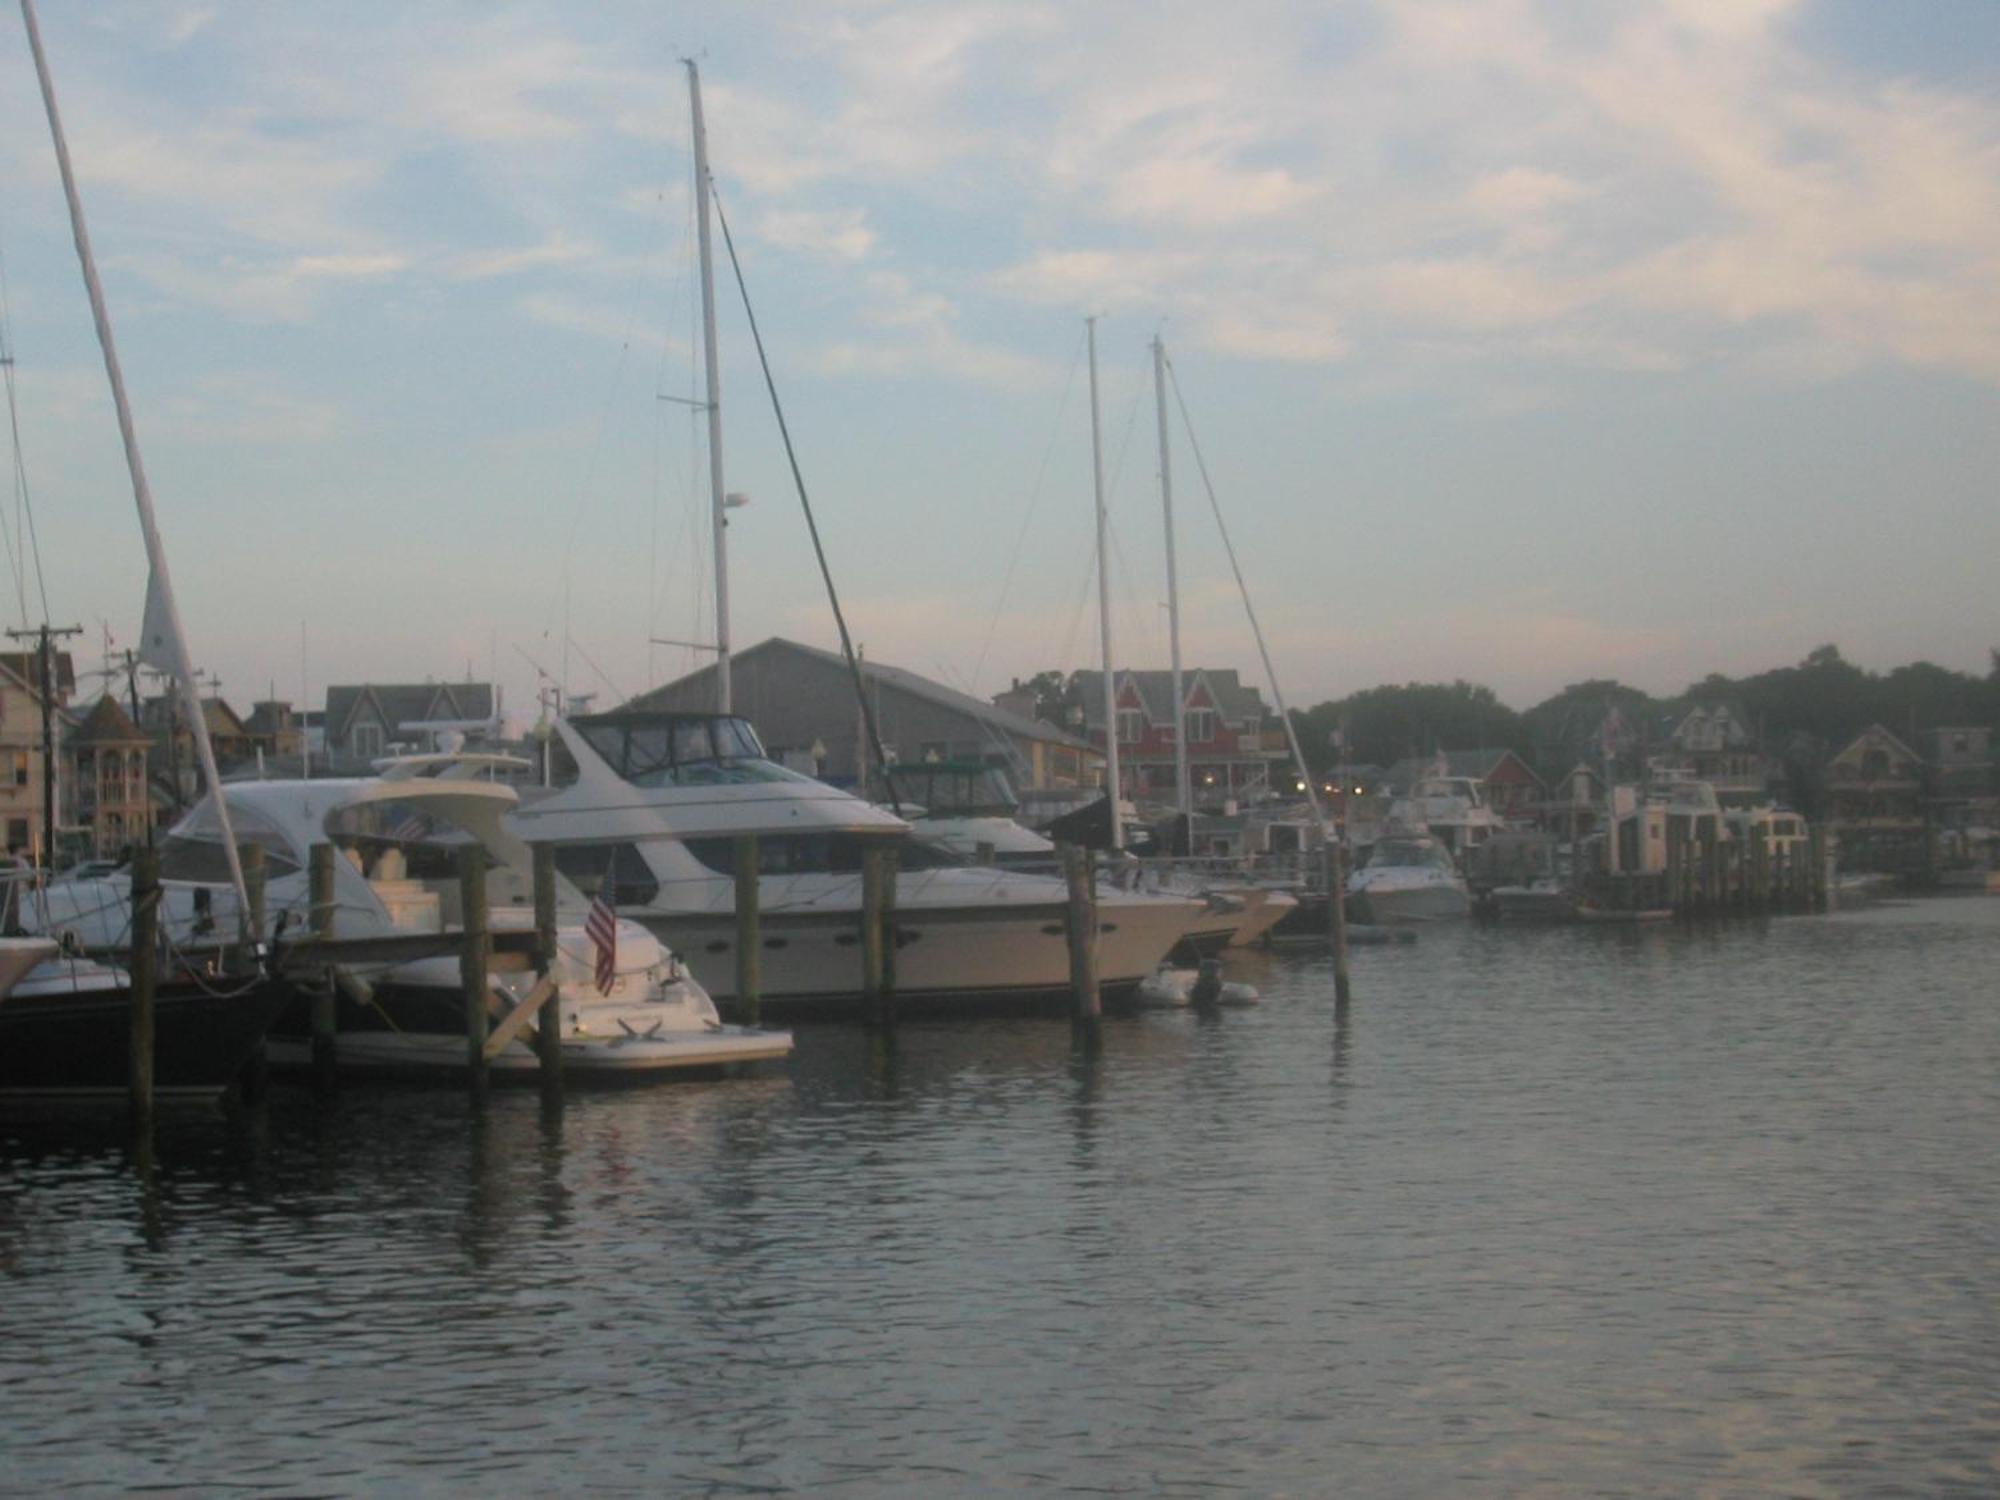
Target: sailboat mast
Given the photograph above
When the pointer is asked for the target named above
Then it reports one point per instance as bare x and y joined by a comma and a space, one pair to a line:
718, 503
1183, 782
1104, 602
160, 590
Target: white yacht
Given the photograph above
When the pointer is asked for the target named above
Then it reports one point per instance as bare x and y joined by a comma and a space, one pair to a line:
397, 837
1454, 809
964, 808
1409, 878
650, 810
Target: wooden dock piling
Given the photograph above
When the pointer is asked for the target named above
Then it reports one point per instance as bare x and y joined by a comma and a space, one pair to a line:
1334, 862
475, 924
145, 959
255, 1081
548, 1022
1078, 870
749, 933
877, 934
325, 999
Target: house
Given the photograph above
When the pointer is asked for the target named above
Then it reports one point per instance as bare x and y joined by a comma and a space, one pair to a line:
112, 803
275, 729
1713, 742
1876, 805
801, 701
1236, 747
166, 726
367, 720
1574, 807
22, 805
1509, 783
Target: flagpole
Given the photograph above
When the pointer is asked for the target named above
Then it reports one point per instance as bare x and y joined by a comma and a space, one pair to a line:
160, 589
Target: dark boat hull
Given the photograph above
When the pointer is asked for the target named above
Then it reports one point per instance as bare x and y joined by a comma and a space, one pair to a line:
76, 1045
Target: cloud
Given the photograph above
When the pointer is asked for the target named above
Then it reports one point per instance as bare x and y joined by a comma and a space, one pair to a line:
836, 235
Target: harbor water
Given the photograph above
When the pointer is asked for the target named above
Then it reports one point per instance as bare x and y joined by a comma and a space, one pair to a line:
1658, 1212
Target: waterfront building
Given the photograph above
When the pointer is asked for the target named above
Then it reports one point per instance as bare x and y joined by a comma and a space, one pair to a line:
1237, 750
1875, 803
112, 806
21, 779
367, 720
801, 700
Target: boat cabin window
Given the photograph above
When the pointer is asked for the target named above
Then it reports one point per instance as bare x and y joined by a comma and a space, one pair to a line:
1391, 853
193, 850
690, 751
619, 871
816, 853
955, 790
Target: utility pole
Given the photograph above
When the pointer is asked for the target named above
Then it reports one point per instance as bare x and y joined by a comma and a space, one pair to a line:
45, 635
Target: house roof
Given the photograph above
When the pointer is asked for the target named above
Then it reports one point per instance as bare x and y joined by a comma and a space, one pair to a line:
1476, 765
1234, 699
882, 674
400, 703
24, 666
269, 716
108, 724
1877, 731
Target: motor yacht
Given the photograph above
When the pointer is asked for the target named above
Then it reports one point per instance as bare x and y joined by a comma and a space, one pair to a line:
648, 806
1453, 809
1409, 877
396, 838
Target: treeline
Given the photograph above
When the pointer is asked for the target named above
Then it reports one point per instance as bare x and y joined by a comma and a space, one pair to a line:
1793, 712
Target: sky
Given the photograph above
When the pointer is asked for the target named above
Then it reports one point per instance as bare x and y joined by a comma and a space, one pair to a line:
1523, 342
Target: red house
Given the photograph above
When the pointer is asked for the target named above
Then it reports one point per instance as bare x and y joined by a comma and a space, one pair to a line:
1236, 746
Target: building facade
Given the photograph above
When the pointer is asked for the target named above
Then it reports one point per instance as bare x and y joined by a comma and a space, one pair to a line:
1237, 750
801, 701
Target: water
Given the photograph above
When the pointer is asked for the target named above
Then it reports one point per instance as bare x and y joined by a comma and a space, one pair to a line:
1558, 1212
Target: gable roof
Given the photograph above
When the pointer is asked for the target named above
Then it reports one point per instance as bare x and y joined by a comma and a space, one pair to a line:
1018, 725
23, 665
396, 704
1475, 765
108, 724
1233, 698
1878, 732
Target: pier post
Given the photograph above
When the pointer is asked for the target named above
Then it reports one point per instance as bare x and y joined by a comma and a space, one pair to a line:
325, 998
1822, 869
749, 1006
1334, 863
474, 923
548, 1021
145, 960
874, 960
1676, 867
983, 853
255, 1080
891, 858
1760, 870
1081, 928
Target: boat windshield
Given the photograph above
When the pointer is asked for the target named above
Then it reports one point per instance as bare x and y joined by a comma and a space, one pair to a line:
955, 791
676, 750
1408, 854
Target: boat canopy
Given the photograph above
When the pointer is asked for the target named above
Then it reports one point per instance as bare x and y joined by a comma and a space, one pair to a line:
651, 749
955, 788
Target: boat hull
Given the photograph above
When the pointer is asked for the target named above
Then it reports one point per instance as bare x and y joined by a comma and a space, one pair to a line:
60, 1044
946, 956
418, 1031
1414, 903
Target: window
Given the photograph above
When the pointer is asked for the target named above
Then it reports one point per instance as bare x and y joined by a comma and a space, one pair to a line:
1200, 725
20, 768
367, 740
1131, 726
815, 853
619, 870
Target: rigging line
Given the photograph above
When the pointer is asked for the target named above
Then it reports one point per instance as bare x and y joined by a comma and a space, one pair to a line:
654, 590
1034, 500
798, 479
602, 676
24, 508
1270, 672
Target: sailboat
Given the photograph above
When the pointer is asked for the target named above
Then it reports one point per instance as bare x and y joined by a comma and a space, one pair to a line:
64, 1025
650, 803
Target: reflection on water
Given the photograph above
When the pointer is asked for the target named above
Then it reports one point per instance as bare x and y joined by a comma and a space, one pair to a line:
1653, 1212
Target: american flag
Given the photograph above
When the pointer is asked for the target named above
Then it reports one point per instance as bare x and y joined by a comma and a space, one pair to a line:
601, 927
